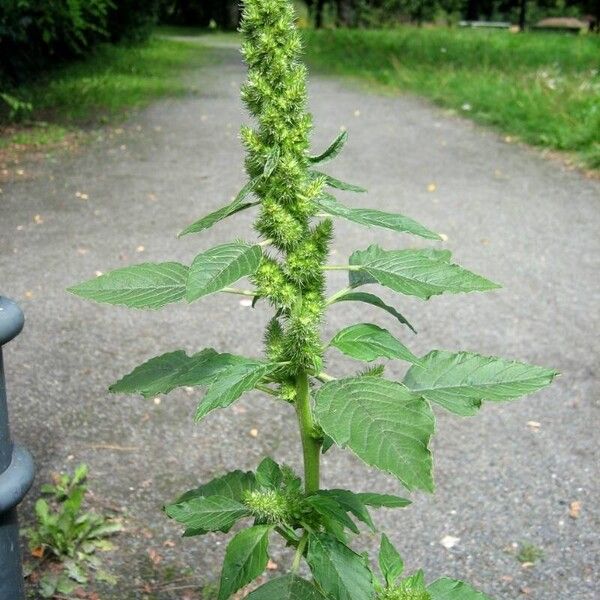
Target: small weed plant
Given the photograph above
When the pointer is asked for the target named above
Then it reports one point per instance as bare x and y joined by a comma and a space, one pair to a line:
388, 424
68, 537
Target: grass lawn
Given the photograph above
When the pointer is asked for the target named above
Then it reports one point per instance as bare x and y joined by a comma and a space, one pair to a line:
542, 88
99, 89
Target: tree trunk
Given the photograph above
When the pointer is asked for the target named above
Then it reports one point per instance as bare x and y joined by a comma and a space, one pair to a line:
472, 13
319, 14
522, 14
345, 13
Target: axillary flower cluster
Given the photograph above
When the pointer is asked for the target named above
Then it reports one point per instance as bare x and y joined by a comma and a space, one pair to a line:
388, 424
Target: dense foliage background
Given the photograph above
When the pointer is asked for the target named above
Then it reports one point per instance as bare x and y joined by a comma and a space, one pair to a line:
37, 33
364, 13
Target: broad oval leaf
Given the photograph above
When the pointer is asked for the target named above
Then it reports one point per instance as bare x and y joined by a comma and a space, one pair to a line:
374, 301
420, 273
334, 149
337, 184
461, 381
383, 423
374, 218
221, 266
339, 571
149, 285
452, 589
269, 474
231, 485
288, 587
162, 374
231, 383
202, 514
369, 342
235, 206
390, 561
334, 514
246, 558
352, 503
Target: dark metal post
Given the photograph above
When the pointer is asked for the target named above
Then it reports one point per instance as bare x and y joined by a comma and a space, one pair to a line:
16, 471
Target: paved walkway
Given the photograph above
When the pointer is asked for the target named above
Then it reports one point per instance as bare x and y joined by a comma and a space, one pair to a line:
504, 477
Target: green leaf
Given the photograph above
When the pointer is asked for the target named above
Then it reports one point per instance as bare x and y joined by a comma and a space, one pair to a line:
332, 511
421, 273
234, 207
232, 382
452, 589
288, 587
338, 570
350, 502
339, 185
374, 218
232, 485
383, 423
369, 342
272, 161
327, 443
333, 150
221, 266
390, 561
374, 301
164, 373
383, 500
268, 474
149, 285
246, 558
460, 382
214, 513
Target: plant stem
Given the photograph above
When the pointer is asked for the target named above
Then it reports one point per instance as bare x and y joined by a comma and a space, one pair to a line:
239, 292
311, 446
266, 389
324, 377
337, 295
341, 267
299, 552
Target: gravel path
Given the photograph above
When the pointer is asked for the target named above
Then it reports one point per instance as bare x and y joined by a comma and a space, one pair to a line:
504, 477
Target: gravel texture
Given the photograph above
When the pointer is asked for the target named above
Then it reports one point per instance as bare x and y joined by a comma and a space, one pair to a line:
504, 477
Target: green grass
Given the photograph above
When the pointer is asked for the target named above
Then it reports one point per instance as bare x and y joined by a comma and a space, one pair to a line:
103, 87
542, 88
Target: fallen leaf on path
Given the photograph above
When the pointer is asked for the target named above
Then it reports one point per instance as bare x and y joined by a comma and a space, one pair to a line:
449, 541
575, 509
254, 433
154, 556
431, 187
38, 219
534, 425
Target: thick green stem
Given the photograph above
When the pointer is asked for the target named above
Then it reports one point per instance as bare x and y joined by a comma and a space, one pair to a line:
311, 446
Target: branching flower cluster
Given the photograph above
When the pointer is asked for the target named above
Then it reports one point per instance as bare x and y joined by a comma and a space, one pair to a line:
388, 424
